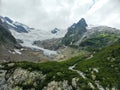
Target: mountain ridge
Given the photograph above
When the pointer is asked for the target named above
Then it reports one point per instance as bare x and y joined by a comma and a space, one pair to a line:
9, 24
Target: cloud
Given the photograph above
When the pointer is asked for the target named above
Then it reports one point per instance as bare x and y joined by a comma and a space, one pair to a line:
97, 6
0, 5
107, 13
48, 14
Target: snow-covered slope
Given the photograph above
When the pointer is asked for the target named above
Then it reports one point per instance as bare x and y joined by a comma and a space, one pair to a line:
13, 25
29, 38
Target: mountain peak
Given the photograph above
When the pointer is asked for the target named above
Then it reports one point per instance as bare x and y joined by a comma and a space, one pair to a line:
82, 22
75, 32
55, 30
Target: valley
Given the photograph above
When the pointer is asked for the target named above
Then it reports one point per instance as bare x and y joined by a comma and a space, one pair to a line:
79, 58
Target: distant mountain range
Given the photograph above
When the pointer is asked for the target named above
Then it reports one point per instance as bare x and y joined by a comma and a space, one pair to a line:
78, 34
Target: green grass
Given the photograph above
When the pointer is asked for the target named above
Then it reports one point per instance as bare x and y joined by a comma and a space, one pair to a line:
53, 70
108, 63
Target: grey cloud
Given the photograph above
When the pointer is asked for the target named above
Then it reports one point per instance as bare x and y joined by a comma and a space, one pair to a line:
48, 14
108, 15
0, 5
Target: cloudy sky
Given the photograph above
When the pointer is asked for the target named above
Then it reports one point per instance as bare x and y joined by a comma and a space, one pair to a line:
48, 14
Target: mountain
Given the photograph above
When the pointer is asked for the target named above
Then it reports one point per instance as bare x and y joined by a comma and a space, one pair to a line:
75, 32
11, 50
55, 30
9, 24
83, 36
90, 37
95, 65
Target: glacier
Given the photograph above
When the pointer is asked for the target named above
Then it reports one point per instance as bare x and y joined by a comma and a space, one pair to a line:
37, 34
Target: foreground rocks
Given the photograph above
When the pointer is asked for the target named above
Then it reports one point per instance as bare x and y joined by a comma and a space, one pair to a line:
23, 79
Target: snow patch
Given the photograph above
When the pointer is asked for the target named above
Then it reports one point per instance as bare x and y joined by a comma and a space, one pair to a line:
16, 51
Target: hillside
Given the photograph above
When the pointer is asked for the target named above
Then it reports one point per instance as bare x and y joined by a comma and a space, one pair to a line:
98, 37
99, 72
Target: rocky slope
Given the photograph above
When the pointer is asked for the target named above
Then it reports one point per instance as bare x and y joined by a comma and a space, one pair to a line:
52, 44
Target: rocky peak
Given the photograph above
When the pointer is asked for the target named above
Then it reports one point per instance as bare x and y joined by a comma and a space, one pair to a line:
55, 30
78, 27
82, 22
75, 32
